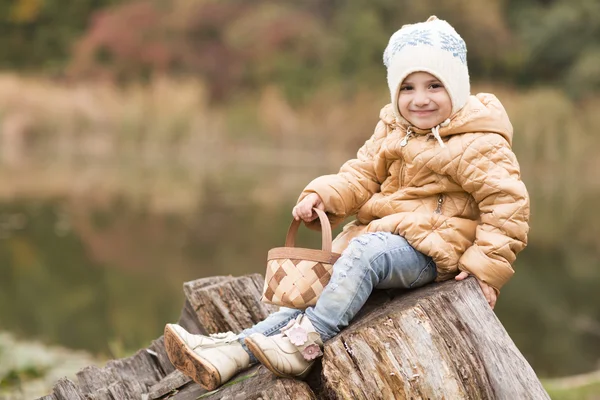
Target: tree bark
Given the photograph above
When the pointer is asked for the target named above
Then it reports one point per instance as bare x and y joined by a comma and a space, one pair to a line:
214, 304
65, 389
439, 341
223, 304
257, 383
226, 304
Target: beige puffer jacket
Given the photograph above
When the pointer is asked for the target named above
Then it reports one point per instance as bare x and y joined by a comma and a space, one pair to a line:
463, 204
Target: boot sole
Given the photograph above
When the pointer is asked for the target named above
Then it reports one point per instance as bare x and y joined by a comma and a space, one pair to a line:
258, 353
190, 363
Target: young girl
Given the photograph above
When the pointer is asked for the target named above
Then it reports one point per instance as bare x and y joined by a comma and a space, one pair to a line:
437, 194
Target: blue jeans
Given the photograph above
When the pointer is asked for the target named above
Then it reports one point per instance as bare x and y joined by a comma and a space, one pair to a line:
378, 260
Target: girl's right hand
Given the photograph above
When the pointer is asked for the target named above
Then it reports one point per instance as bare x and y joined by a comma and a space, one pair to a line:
304, 209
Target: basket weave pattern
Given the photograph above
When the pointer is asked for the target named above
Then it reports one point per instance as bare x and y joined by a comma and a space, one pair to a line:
297, 283
295, 277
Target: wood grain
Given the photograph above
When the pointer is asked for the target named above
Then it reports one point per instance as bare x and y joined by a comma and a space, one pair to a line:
230, 305
440, 341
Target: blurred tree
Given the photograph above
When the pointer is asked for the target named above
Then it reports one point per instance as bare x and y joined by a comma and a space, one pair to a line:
242, 45
38, 35
230, 44
561, 42
282, 45
126, 40
24, 11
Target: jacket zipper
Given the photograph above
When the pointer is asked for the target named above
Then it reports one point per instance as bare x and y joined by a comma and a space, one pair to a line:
403, 143
440, 201
404, 140
402, 174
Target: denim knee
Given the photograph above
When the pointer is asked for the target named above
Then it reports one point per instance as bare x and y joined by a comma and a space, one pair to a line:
367, 248
363, 246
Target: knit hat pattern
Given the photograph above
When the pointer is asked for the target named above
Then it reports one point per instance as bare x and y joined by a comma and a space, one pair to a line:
434, 47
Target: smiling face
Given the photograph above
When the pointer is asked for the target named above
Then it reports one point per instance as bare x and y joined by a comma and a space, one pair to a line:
423, 101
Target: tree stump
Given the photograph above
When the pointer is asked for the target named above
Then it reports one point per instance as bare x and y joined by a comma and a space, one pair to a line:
441, 341
214, 304
224, 304
257, 383
220, 304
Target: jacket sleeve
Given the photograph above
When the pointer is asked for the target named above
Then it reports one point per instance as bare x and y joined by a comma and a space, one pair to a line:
345, 192
489, 171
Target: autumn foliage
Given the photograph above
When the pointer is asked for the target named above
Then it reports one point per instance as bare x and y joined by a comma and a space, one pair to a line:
229, 45
241, 45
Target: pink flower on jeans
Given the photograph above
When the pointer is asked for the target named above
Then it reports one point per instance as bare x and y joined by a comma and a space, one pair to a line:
311, 352
297, 335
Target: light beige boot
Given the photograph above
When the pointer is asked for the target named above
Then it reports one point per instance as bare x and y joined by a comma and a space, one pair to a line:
290, 354
209, 360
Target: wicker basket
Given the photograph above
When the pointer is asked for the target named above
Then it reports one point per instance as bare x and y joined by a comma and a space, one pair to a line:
296, 277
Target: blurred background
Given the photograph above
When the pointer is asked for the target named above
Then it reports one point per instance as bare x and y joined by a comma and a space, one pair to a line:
148, 143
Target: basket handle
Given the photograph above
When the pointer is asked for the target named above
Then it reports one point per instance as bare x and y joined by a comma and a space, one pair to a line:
290, 240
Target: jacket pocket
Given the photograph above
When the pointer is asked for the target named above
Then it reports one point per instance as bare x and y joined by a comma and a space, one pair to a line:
427, 275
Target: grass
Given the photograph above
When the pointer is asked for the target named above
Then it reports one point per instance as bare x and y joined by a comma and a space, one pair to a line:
29, 369
578, 387
167, 131
15, 378
161, 143
587, 392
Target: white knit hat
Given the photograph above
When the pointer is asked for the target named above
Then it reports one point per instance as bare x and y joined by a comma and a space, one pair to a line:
434, 47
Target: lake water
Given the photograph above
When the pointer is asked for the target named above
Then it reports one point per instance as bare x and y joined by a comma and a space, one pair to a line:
106, 276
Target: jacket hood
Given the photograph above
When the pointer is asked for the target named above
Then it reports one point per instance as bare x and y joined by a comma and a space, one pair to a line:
483, 113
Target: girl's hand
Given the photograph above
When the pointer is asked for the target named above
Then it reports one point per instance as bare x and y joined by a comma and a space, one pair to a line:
488, 291
304, 209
